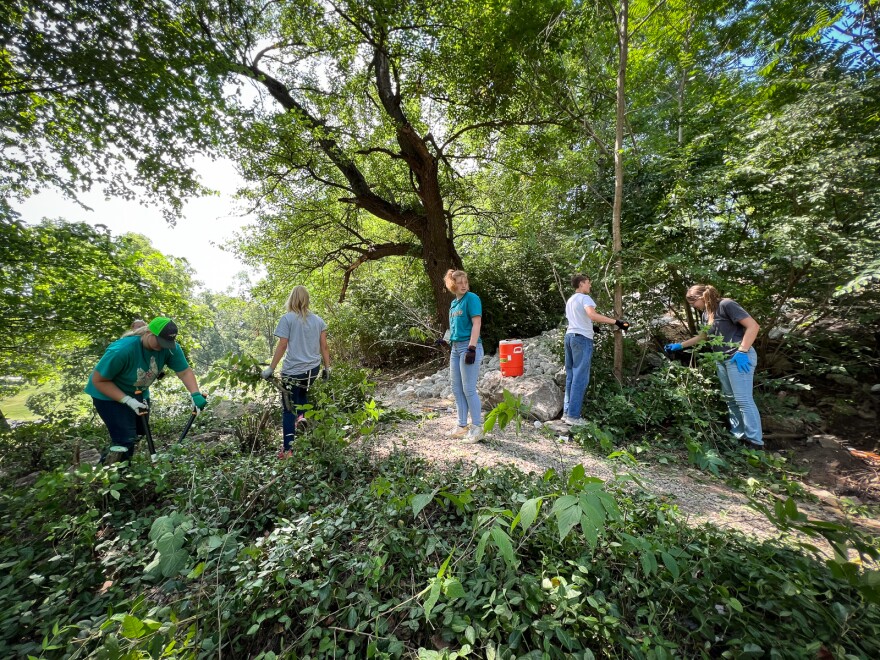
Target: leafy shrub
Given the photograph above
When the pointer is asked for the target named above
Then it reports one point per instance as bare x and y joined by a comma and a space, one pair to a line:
340, 554
37, 446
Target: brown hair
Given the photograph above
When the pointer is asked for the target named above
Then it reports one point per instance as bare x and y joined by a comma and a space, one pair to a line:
453, 276
710, 297
577, 279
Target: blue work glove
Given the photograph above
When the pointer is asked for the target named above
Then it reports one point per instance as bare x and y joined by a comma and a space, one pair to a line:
441, 343
672, 347
267, 373
199, 401
470, 355
741, 360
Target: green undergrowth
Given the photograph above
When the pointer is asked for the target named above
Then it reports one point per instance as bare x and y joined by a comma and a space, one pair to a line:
674, 416
215, 552
220, 549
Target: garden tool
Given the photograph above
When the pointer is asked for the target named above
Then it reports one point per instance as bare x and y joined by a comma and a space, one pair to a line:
189, 423
138, 394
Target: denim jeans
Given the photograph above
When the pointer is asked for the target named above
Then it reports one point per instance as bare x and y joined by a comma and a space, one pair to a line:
123, 424
463, 377
296, 394
578, 359
736, 390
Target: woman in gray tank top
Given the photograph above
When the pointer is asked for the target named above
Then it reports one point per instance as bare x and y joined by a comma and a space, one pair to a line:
736, 371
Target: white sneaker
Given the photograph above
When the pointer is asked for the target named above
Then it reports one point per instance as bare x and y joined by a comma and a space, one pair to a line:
573, 421
476, 434
458, 432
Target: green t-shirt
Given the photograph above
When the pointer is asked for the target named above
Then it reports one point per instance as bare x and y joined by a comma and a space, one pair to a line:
461, 313
131, 365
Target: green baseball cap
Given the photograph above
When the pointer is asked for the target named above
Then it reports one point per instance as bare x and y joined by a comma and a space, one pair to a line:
165, 330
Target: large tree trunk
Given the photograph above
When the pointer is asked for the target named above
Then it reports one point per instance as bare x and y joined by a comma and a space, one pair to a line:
428, 224
617, 245
438, 259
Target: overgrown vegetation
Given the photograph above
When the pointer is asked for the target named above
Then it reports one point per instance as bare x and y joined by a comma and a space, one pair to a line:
393, 141
338, 554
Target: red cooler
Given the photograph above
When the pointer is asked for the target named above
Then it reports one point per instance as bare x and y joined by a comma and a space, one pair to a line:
510, 356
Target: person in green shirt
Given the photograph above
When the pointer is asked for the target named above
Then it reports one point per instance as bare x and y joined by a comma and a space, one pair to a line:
119, 384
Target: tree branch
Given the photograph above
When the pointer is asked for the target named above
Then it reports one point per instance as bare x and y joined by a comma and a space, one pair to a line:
374, 253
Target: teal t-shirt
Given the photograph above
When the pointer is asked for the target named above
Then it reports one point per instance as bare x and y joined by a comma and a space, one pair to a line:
461, 312
131, 365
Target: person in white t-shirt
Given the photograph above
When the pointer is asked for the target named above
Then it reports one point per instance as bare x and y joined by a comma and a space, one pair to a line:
580, 310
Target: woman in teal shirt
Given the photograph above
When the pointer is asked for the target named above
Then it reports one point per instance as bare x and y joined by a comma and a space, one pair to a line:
128, 367
465, 319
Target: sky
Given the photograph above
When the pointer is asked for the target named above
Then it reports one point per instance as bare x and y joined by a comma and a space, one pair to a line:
206, 223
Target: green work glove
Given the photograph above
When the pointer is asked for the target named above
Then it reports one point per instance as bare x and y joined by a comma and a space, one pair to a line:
199, 400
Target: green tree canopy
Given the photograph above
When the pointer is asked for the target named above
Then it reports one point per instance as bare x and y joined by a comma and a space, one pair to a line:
115, 94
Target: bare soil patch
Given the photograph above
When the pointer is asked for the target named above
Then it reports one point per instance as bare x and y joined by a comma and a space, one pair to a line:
702, 498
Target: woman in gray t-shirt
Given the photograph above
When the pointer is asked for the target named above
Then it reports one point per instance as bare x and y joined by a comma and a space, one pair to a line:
736, 371
302, 340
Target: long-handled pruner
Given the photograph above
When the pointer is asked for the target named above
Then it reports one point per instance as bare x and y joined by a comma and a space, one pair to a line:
139, 396
189, 423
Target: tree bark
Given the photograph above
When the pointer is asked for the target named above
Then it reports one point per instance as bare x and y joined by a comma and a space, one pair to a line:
617, 241
429, 223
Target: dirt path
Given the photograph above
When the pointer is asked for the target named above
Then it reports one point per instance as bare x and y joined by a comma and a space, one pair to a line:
699, 496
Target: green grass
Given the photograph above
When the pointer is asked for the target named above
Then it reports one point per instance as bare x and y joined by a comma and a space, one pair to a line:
14, 408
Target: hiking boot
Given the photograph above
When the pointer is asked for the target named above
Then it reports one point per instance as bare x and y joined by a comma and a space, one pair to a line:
285, 454
573, 421
458, 432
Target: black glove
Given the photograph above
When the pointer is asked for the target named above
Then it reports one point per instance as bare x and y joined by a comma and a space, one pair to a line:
325, 373
471, 355
623, 325
441, 343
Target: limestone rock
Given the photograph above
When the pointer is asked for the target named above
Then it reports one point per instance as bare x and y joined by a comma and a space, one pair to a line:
544, 397
90, 456
27, 480
843, 379
779, 424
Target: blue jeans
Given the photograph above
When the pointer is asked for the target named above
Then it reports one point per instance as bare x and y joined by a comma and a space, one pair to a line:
464, 383
123, 424
736, 390
578, 359
296, 394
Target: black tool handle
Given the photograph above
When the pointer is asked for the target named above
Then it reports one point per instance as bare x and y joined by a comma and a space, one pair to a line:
189, 424
139, 395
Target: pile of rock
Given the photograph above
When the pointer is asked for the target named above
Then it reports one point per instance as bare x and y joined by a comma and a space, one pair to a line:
541, 386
